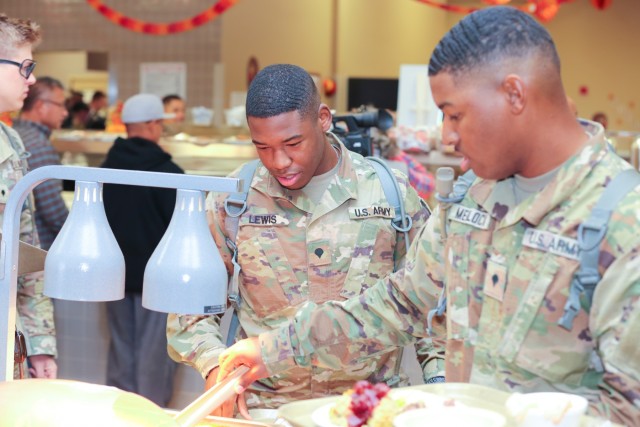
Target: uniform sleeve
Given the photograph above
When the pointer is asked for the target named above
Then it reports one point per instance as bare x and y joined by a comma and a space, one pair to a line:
34, 308
429, 351
36, 315
615, 322
390, 313
197, 340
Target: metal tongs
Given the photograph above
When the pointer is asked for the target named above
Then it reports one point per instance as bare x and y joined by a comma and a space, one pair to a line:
213, 398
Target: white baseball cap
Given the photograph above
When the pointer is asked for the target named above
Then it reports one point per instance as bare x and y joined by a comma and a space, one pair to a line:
143, 107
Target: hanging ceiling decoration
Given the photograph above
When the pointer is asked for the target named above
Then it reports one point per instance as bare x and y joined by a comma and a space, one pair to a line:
161, 28
601, 4
544, 10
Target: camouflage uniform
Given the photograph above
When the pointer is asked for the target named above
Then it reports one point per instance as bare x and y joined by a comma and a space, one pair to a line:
293, 252
504, 293
35, 311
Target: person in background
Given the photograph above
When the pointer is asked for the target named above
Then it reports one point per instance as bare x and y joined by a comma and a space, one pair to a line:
43, 111
327, 237
175, 105
419, 178
74, 98
175, 108
78, 116
139, 216
35, 311
601, 118
97, 117
513, 317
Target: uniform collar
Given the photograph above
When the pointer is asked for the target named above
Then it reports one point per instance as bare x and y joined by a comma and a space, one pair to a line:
343, 187
495, 196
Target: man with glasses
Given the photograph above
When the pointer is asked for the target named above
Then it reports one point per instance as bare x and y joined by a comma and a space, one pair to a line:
17, 38
42, 112
139, 216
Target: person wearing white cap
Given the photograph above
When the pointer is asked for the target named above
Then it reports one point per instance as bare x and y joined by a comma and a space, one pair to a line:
139, 216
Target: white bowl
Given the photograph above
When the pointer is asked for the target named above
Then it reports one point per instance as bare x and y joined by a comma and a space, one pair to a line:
450, 416
548, 409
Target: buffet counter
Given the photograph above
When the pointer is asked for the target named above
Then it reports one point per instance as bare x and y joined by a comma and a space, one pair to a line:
217, 156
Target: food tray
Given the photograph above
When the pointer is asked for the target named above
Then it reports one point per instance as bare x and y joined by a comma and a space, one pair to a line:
298, 414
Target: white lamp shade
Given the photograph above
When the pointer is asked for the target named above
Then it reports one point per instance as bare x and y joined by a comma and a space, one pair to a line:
185, 274
85, 262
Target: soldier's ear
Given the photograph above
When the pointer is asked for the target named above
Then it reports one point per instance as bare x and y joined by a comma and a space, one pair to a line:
515, 93
324, 117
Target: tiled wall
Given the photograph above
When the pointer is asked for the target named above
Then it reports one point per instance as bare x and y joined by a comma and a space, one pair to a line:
74, 25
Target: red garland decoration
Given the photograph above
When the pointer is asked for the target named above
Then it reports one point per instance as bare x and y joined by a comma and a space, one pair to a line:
601, 4
544, 10
161, 29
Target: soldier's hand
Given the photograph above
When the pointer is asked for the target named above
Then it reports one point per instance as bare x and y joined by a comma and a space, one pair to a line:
245, 352
43, 366
226, 409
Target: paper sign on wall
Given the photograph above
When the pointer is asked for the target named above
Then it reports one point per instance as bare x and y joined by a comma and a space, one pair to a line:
415, 104
164, 78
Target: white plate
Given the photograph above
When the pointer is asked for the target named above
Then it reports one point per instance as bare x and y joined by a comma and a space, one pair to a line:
321, 418
451, 416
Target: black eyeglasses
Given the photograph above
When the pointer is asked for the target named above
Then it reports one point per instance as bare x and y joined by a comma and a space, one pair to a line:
57, 104
26, 67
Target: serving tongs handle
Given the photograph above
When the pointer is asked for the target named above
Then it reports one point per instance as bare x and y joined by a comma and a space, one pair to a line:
210, 399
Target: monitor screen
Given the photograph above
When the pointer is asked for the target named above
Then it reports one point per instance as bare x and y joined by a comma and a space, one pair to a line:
381, 93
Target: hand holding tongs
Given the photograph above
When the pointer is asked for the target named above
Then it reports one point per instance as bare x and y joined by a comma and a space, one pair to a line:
213, 398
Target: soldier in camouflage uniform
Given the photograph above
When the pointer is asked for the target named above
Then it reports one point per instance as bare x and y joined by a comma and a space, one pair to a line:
17, 37
317, 228
505, 255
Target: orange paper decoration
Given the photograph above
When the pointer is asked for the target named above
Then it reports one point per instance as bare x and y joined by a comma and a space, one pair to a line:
161, 29
329, 86
546, 10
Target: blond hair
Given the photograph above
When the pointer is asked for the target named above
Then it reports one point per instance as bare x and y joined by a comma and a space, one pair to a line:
16, 33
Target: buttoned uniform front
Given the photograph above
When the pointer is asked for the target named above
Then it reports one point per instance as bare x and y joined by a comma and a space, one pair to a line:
506, 277
35, 311
293, 252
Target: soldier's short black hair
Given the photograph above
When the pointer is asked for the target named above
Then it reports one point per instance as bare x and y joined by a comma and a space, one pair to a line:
282, 88
488, 35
